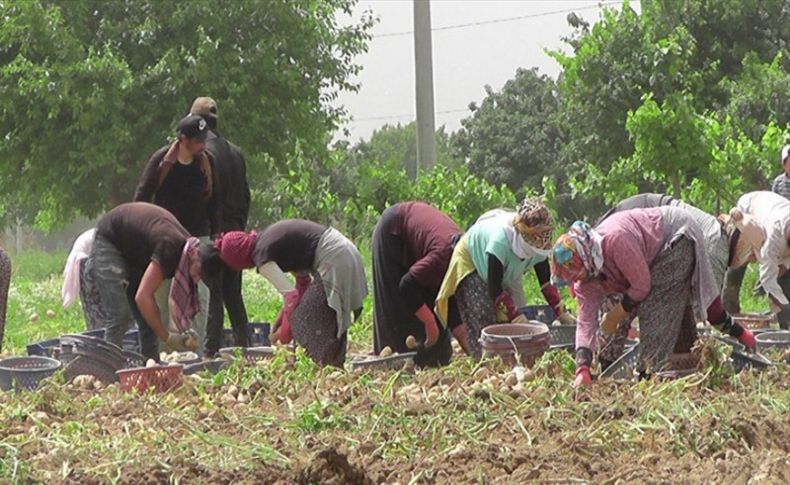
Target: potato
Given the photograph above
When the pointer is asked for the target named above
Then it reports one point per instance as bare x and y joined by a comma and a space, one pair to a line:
411, 342
385, 352
511, 380
151, 363
85, 382
34, 317
50, 313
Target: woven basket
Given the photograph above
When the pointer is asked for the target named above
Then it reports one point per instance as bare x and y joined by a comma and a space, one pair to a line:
26, 372
161, 378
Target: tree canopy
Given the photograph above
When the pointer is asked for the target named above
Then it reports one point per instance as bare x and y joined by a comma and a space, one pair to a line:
90, 88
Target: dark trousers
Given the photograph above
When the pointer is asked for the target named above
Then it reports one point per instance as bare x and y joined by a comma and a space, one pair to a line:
226, 290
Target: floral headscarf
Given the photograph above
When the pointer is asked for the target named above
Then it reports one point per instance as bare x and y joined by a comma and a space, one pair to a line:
577, 255
534, 223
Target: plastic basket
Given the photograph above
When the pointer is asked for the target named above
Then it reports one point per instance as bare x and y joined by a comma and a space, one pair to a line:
541, 313
161, 378
133, 359
250, 354
748, 361
131, 341
210, 366
26, 372
563, 335
752, 320
184, 358
82, 365
779, 340
258, 335
43, 348
624, 367
98, 332
391, 362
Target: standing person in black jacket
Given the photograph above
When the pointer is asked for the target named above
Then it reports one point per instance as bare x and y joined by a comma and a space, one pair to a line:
181, 178
235, 193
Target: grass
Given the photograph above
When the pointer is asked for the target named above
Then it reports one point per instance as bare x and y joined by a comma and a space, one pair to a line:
461, 424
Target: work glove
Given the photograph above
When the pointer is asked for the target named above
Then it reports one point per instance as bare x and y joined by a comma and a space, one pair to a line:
428, 320
583, 377
504, 304
281, 332
181, 342
744, 335
566, 318
747, 339
611, 320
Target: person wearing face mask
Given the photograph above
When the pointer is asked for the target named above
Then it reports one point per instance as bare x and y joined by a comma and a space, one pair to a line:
181, 178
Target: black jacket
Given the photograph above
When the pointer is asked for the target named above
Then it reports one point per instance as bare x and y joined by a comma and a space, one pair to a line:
233, 187
185, 192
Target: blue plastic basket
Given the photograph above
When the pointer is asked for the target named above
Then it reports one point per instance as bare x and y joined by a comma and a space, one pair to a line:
43, 348
26, 372
258, 335
131, 341
99, 332
541, 313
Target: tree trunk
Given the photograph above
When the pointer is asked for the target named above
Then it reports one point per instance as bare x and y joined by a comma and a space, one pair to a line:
675, 178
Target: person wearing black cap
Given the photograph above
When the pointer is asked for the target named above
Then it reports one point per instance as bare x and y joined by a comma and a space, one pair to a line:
181, 178
235, 194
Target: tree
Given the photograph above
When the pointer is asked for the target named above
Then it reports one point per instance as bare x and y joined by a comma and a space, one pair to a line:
90, 88
700, 64
514, 137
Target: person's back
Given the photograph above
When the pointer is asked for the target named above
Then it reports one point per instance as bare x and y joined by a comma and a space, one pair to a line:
781, 183
232, 176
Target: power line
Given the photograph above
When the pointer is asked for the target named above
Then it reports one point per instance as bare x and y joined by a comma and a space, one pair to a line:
498, 21
390, 117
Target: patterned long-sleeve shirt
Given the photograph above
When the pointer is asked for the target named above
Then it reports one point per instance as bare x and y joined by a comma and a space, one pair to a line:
631, 241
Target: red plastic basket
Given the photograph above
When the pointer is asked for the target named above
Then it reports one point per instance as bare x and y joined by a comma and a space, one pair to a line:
162, 378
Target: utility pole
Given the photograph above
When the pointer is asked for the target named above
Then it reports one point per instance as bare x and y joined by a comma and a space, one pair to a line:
423, 70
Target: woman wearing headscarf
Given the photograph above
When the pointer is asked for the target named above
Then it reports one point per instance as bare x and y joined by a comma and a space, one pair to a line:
412, 245
655, 258
484, 282
330, 281
764, 220
725, 248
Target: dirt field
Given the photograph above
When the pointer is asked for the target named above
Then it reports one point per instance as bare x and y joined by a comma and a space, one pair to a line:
291, 422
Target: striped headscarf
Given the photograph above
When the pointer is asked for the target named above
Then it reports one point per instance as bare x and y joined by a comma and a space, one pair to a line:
183, 300
577, 255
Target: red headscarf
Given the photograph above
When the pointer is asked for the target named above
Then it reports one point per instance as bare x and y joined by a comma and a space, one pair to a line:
235, 249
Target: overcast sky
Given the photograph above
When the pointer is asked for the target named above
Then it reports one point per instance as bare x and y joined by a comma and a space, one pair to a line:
465, 59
